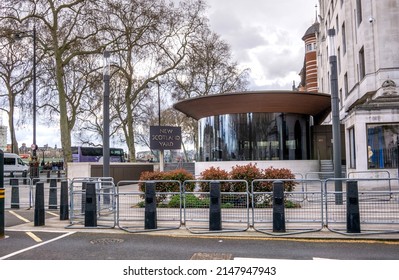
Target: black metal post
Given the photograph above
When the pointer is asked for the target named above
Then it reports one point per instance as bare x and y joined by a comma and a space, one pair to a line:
2, 194
91, 206
335, 118
352, 207
39, 219
106, 150
215, 211
278, 207
150, 219
64, 208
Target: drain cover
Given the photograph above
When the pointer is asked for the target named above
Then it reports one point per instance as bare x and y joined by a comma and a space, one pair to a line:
105, 241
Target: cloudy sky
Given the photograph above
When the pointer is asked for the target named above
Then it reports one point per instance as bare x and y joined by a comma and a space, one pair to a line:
264, 36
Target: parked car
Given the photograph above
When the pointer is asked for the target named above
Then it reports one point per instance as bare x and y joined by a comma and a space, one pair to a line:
13, 164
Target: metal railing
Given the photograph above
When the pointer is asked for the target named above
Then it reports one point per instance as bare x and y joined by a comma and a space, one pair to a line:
234, 206
131, 205
303, 209
105, 201
377, 210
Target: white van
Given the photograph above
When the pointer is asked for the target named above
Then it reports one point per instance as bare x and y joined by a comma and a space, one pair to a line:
13, 164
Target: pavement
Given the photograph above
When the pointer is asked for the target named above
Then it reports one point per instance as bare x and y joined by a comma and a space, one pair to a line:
54, 224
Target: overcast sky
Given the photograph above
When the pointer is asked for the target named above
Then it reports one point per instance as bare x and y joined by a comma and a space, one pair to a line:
264, 35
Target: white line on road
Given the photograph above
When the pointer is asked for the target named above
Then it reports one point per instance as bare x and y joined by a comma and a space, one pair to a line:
37, 245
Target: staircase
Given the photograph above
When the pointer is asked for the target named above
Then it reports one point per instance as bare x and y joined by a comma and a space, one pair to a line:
327, 169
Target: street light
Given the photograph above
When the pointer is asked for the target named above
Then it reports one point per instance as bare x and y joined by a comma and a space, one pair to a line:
106, 150
335, 116
18, 36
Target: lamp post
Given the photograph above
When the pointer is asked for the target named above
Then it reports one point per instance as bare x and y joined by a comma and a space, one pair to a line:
335, 117
161, 152
106, 150
34, 163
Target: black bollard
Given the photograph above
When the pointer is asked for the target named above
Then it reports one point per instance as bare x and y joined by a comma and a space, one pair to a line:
150, 215
53, 194
352, 208
39, 219
2, 194
2, 224
48, 176
14, 193
215, 211
64, 208
278, 207
91, 206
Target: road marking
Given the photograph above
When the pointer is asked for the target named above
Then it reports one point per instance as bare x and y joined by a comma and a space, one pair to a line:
37, 245
34, 236
51, 213
19, 217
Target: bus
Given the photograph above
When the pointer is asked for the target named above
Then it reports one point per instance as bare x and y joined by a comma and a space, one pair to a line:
95, 154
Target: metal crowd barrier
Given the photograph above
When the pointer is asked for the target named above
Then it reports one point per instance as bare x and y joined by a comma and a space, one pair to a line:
303, 210
376, 206
18, 192
200, 207
105, 202
138, 212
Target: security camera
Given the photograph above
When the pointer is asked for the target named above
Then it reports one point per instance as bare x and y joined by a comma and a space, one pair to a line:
371, 19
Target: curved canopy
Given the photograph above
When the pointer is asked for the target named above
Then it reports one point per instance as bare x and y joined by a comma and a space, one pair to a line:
317, 105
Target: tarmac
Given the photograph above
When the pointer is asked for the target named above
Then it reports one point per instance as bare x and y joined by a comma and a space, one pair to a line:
54, 224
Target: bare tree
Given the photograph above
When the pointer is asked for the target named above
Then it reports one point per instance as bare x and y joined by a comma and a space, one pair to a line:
150, 40
69, 30
16, 77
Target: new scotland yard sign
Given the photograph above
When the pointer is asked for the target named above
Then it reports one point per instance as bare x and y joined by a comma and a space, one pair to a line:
165, 137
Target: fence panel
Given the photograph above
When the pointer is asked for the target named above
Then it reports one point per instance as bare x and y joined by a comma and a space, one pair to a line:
303, 209
234, 205
378, 209
18, 192
105, 201
131, 205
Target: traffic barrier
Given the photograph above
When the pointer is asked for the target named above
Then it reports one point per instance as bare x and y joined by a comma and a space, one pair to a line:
14, 193
150, 217
352, 208
215, 211
278, 207
374, 210
2, 223
39, 219
91, 206
135, 206
216, 206
64, 206
105, 212
290, 212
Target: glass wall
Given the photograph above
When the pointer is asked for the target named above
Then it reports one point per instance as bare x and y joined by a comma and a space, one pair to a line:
382, 143
254, 136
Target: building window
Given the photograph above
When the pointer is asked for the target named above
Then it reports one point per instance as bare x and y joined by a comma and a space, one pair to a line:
346, 84
343, 38
382, 151
362, 65
339, 59
352, 148
359, 11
